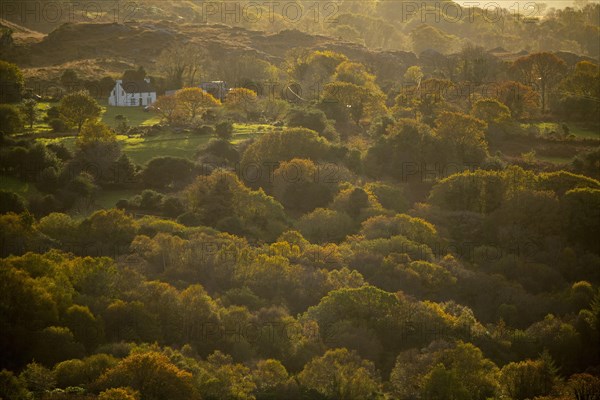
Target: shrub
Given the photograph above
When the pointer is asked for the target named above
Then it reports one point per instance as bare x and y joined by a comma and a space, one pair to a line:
10, 119
204, 130
58, 125
224, 130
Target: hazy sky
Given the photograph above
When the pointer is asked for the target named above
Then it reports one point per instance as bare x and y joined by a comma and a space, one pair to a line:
508, 3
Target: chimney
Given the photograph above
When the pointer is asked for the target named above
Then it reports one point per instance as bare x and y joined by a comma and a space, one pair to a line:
119, 81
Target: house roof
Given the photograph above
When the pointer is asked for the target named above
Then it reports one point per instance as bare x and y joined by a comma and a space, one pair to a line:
137, 87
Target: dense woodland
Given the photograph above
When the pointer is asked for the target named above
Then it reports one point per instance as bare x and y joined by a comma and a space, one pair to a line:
371, 229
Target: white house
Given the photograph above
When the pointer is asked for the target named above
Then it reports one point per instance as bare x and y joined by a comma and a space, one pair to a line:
132, 94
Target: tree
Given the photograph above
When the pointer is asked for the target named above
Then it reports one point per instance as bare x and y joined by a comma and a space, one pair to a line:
30, 111
581, 92
341, 374
198, 309
355, 73
441, 384
242, 100
268, 375
222, 194
312, 69
584, 386
182, 63
425, 37
298, 186
118, 394
224, 130
194, 102
526, 379
271, 148
11, 387
11, 202
54, 344
357, 101
82, 372
98, 154
587, 163
391, 197
324, 225
84, 325
464, 136
477, 65
37, 379
112, 228
78, 107
167, 173
26, 307
130, 321
543, 69
11, 83
94, 133
152, 375
10, 119
491, 111
581, 211
414, 75
408, 147
477, 375
69, 79
355, 202
520, 99
310, 118
134, 75
167, 107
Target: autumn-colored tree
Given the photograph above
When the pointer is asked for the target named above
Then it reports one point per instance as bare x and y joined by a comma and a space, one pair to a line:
540, 69
95, 133
584, 386
522, 100
195, 101
152, 375
341, 374
491, 111
167, 107
242, 100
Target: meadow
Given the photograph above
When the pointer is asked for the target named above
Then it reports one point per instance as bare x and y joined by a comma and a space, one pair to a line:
140, 149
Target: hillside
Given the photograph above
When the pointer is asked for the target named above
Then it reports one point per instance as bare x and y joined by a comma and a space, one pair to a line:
108, 48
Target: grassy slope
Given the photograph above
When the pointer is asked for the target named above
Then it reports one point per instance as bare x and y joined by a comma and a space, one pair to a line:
141, 150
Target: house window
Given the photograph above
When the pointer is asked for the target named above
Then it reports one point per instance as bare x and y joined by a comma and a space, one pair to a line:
132, 102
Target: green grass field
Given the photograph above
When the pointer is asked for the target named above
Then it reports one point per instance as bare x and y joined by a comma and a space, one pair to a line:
142, 150
136, 116
554, 160
577, 130
108, 198
15, 185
